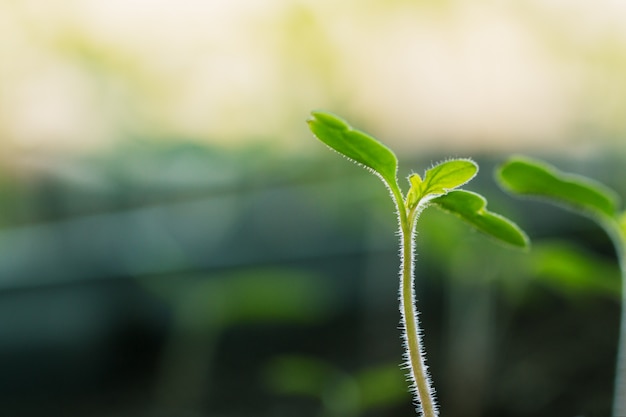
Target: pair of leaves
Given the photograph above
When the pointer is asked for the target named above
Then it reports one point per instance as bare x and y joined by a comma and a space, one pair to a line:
436, 187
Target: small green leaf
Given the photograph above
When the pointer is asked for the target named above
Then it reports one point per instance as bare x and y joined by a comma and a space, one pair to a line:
447, 175
354, 144
415, 180
471, 207
535, 178
414, 194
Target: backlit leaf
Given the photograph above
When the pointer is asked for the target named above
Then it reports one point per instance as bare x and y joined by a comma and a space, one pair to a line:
354, 144
471, 207
535, 178
448, 175
415, 193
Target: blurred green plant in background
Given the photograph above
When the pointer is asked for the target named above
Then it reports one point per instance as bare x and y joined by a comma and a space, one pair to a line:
204, 307
583, 195
178, 292
339, 393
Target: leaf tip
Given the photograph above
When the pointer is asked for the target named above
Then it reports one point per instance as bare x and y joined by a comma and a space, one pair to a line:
327, 118
524, 242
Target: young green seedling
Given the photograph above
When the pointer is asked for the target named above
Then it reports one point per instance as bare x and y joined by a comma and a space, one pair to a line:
535, 178
438, 187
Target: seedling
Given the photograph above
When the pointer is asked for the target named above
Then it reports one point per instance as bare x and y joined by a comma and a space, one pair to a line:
534, 178
438, 187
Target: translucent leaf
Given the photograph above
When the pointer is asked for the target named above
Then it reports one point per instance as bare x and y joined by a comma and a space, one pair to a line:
535, 178
471, 207
414, 194
447, 175
354, 144
415, 180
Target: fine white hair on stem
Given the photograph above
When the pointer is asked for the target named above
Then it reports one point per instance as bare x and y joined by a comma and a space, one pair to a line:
407, 258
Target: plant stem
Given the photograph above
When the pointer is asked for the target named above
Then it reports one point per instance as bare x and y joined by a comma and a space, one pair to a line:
618, 238
414, 351
619, 397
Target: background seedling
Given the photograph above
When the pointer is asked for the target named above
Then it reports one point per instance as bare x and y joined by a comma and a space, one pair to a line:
340, 394
529, 177
439, 187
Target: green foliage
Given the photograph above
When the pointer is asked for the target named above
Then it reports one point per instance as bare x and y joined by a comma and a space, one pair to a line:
341, 394
246, 296
381, 385
472, 208
448, 175
299, 375
438, 181
438, 185
536, 178
354, 144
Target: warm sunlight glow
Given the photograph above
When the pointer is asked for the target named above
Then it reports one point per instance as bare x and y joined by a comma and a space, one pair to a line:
86, 75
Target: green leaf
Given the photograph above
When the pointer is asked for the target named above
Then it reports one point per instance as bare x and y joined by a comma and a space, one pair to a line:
535, 178
447, 175
414, 194
354, 144
471, 207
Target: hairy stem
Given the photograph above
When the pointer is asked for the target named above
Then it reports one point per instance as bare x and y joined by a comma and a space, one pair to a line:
414, 351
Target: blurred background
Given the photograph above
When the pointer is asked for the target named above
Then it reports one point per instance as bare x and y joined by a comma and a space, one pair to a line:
173, 241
